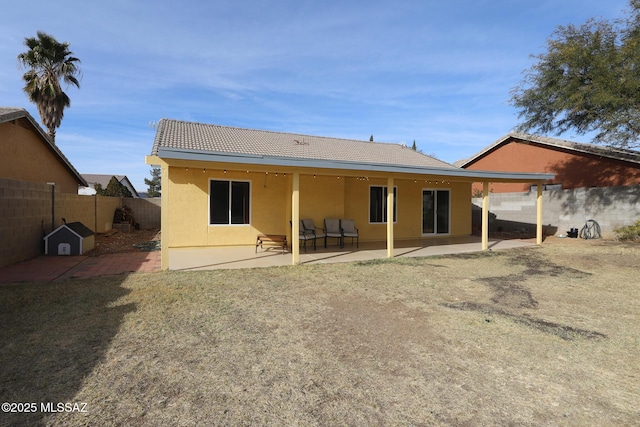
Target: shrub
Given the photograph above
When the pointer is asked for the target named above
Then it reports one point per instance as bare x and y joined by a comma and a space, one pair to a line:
629, 232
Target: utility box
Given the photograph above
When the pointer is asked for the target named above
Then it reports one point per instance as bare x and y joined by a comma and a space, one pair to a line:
69, 239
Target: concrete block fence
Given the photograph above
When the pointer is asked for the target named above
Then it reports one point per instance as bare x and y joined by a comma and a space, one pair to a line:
611, 207
26, 215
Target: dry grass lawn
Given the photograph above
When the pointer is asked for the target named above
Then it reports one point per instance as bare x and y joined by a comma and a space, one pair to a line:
538, 336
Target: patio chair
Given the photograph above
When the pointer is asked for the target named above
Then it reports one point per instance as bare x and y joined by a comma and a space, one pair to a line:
310, 227
332, 229
304, 235
349, 229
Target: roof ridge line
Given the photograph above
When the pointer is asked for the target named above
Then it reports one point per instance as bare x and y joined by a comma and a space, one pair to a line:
284, 133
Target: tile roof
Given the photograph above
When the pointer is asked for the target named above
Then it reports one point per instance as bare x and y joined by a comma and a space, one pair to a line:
8, 114
207, 138
609, 152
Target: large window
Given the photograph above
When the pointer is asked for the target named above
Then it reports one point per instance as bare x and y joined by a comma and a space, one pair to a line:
378, 204
228, 202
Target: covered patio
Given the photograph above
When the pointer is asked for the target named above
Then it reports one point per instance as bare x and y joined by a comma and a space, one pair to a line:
231, 257
222, 187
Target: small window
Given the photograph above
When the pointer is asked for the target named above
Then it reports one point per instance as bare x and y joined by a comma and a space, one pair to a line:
378, 204
228, 202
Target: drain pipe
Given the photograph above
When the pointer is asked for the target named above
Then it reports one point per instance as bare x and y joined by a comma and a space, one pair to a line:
53, 204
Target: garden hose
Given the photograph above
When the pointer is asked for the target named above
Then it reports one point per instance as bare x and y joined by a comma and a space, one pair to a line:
591, 230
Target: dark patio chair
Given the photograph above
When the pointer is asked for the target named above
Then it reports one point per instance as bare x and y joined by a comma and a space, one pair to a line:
304, 236
349, 229
310, 227
332, 230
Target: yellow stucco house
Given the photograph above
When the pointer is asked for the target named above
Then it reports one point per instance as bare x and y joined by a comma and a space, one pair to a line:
223, 186
27, 153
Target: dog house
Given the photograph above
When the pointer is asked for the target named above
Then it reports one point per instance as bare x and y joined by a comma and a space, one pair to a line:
69, 239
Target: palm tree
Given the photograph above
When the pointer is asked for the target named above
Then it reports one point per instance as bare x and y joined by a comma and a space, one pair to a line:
48, 61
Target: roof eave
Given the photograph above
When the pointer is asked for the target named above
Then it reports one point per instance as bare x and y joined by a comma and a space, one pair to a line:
253, 159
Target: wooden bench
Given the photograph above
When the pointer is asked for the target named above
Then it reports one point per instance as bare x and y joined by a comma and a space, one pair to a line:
276, 240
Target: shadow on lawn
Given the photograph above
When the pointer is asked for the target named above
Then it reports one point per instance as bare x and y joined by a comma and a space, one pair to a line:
51, 338
511, 295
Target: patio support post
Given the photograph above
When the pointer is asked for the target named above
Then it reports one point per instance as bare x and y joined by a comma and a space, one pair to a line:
390, 218
485, 216
539, 215
295, 220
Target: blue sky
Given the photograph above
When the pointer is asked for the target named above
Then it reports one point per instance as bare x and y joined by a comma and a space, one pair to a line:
437, 72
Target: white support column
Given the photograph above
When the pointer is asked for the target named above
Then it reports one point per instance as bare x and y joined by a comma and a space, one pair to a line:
164, 216
295, 220
390, 218
539, 215
485, 216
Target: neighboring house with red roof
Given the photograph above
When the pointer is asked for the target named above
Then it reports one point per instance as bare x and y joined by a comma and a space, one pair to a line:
223, 186
575, 165
103, 180
27, 153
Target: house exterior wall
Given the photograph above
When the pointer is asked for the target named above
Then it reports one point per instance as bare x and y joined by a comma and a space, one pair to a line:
572, 169
25, 156
326, 194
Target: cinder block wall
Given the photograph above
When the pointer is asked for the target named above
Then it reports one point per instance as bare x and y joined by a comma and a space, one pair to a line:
145, 211
611, 207
25, 215
25, 212
96, 212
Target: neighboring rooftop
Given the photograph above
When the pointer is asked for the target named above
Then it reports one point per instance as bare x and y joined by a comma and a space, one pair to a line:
609, 152
198, 137
8, 114
103, 179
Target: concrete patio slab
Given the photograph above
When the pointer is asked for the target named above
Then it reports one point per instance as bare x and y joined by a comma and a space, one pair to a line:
47, 269
246, 257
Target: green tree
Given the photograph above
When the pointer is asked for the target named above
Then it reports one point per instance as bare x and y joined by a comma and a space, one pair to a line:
155, 183
414, 147
588, 80
114, 189
47, 62
371, 138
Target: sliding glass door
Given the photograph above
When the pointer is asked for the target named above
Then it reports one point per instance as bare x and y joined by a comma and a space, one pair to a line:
435, 211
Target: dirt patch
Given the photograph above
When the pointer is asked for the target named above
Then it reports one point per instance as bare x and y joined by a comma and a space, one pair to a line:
366, 323
117, 242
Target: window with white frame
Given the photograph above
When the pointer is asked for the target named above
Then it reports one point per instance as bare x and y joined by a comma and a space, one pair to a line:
228, 202
378, 204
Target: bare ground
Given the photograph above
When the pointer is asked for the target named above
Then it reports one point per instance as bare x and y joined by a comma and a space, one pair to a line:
114, 242
538, 336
